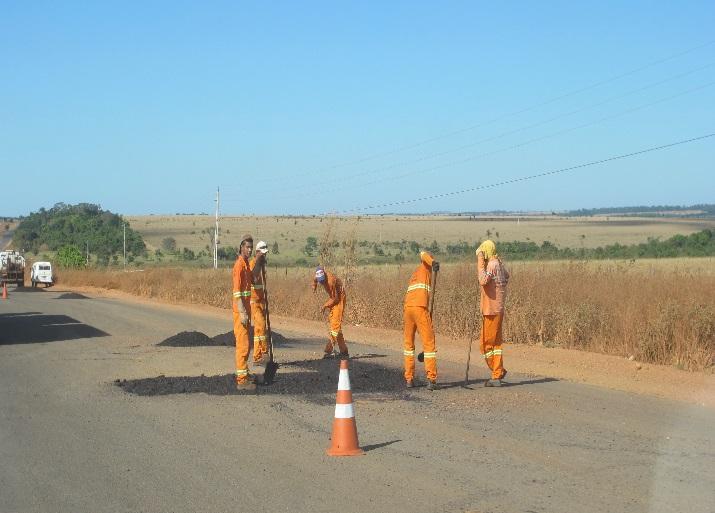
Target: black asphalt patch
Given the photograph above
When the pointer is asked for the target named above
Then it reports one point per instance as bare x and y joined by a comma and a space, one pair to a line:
314, 380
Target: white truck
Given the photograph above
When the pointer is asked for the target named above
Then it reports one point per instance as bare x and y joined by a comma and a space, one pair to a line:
12, 268
41, 272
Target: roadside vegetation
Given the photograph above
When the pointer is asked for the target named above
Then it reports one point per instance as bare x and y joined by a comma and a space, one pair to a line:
660, 312
652, 300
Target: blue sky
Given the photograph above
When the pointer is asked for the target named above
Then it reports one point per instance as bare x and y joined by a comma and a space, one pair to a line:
296, 107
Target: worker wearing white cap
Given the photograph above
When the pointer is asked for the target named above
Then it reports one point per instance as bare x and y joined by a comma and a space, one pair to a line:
336, 305
258, 306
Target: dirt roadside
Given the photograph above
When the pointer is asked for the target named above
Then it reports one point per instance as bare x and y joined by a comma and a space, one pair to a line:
606, 371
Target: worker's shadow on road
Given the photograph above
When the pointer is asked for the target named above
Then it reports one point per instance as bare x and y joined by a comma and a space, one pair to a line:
315, 380
505, 384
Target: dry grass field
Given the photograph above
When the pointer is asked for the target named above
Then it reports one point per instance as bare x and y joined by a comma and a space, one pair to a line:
658, 311
195, 231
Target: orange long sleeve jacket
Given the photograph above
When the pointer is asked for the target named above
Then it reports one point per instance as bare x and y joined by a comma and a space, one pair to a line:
493, 277
257, 289
418, 290
242, 281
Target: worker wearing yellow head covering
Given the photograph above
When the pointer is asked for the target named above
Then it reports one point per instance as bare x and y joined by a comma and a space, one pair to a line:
488, 249
493, 278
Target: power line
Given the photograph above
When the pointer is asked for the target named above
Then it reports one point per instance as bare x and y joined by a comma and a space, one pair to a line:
507, 148
525, 178
446, 135
353, 176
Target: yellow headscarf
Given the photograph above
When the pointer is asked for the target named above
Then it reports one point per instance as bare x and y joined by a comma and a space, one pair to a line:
488, 248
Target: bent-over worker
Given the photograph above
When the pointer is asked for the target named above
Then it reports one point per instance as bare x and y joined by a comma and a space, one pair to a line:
336, 304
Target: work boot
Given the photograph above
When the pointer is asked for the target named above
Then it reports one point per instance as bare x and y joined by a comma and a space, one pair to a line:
327, 356
492, 383
343, 356
503, 374
410, 384
246, 387
431, 385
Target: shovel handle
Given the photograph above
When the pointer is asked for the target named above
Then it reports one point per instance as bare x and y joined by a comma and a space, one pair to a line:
432, 293
268, 313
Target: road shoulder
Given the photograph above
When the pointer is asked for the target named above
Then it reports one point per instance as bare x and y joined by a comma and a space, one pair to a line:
612, 372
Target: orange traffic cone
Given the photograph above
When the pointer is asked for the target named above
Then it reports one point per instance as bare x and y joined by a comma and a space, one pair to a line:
345, 437
4, 290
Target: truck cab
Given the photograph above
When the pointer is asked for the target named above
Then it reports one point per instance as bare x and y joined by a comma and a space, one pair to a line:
41, 272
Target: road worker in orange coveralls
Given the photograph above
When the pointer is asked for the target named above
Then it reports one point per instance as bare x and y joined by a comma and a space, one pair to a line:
258, 307
242, 281
336, 304
493, 278
417, 318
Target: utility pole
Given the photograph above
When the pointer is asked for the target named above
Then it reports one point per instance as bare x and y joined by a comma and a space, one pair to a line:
216, 231
125, 246
87, 253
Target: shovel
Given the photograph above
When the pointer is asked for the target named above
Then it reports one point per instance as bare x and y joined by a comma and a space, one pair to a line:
421, 356
271, 366
469, 354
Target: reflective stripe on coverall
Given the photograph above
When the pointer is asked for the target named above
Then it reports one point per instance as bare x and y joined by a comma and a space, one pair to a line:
417, 318
491, 341
242, 280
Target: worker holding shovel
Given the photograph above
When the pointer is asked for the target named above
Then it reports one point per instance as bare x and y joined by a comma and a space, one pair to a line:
258, 307
336, 305
417, 317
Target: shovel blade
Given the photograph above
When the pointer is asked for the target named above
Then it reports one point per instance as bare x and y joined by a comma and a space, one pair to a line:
270, 373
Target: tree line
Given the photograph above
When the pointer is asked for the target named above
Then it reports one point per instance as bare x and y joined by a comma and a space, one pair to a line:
72, 229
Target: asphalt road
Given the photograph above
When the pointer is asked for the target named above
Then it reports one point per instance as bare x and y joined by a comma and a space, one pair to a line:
96, 417
5, 238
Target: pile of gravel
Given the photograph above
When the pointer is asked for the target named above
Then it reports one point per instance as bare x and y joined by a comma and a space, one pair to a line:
72, 295
224, 339
229, 339
198, 339
188, 339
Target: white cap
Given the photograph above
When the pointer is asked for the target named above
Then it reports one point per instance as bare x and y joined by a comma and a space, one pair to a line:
262, 247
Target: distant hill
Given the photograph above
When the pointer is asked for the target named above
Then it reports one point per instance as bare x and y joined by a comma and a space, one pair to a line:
77, 225
701, 210
704, 210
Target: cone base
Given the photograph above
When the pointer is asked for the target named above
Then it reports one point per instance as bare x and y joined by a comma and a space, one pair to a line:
344, 452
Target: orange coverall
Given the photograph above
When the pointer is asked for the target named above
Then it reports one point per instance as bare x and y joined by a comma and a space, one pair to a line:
242, 281
336, 302
417, 318
493, 278
258, 315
